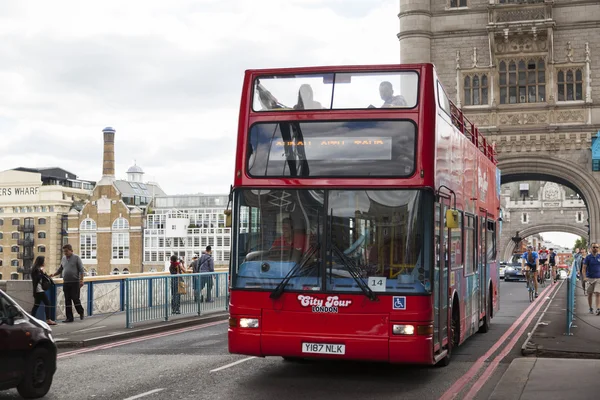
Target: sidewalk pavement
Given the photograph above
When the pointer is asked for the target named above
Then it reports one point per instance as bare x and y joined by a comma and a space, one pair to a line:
559, 366
100, 329
549, 338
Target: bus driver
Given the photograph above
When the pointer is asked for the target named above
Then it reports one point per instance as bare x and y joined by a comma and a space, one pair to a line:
288, 243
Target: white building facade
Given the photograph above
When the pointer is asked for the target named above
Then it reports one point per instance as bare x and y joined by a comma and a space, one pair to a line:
184, 225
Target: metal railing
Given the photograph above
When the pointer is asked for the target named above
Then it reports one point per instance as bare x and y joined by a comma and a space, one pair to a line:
571, 288
160, 297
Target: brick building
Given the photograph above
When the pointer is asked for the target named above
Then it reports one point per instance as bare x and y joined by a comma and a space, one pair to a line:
34, 203
107, 231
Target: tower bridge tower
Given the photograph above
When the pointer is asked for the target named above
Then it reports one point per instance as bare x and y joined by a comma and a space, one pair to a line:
527, 73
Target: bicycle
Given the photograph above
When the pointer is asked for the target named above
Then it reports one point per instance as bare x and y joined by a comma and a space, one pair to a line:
530, 284
542, 275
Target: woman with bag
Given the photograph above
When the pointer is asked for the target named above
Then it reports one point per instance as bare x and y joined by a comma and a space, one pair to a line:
177, 285
41, 283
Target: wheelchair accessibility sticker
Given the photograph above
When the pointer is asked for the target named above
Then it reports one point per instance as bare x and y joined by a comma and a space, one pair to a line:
399, 303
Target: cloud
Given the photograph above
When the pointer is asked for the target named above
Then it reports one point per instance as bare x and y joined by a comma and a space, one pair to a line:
166, 75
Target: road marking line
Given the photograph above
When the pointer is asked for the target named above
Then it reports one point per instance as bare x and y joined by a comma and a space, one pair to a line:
494, 364
232, 364
459, 385
89, 329
139, 339
145, 394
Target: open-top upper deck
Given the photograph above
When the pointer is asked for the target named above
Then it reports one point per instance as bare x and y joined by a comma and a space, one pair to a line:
336, 125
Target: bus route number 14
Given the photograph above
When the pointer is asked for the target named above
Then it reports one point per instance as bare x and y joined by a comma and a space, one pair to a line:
377, 284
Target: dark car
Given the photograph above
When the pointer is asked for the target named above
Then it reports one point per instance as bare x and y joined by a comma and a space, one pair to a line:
512, 270
27, 351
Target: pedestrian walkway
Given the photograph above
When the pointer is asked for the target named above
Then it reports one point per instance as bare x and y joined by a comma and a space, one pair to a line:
548, 338
111, 327
559, 366
549, 379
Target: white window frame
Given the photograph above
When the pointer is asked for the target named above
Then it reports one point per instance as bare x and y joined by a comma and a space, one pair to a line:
120, 245
88, 250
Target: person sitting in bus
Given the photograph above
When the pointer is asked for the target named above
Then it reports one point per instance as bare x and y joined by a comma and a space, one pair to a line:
288, 243
306, 100
386, 91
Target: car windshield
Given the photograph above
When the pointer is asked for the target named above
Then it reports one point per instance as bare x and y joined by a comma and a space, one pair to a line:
516, 259
331, 240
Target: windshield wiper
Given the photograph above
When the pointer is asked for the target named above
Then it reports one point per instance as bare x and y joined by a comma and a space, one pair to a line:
354, 273
278, 291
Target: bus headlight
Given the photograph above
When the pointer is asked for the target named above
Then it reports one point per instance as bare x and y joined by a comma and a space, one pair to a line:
403, 329
248, 322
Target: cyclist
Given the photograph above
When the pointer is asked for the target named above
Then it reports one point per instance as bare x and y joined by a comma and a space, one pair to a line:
531, 259
552, 263
543, 253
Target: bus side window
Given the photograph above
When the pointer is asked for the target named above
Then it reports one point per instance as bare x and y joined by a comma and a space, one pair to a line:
443, 99
491, 241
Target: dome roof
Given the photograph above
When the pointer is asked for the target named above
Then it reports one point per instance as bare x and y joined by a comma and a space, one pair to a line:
135, 169
108, 129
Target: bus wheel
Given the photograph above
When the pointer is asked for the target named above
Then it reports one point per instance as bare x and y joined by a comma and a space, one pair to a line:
487, 320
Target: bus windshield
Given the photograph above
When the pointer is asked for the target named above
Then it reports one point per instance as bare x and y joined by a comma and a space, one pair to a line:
333, 91
331, 240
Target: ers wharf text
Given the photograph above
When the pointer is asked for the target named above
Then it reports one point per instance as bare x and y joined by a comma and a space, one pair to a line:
19, 191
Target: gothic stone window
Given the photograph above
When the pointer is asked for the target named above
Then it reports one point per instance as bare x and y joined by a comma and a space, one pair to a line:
570, 84
476, 90
458, 3
522, 81
524, 218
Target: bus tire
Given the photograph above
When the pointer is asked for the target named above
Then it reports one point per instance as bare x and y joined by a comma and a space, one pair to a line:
487, 319
454, 336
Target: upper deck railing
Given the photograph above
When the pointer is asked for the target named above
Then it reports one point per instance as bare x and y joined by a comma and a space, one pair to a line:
472, 133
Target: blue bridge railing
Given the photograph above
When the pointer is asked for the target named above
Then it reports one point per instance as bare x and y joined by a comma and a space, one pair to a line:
160, 297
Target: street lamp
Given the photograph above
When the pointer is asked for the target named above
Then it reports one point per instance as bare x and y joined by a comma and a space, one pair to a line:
516, 239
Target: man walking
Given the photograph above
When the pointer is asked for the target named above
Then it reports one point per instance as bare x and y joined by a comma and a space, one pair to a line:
590, 272
206, 264
71, 269
194, 268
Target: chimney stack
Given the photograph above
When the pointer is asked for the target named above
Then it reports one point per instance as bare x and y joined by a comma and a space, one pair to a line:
108, 165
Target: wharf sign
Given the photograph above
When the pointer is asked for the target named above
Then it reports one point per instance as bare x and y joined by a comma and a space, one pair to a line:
19, 191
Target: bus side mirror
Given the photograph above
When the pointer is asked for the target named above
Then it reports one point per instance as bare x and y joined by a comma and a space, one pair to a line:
451, 219
227, 218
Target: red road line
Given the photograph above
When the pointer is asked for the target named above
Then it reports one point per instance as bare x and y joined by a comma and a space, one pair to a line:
494, 364
458, 386
139, 339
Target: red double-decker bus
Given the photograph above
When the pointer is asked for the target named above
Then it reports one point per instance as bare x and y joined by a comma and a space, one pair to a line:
365, 212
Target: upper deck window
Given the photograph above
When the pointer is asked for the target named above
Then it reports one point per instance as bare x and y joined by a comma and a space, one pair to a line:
336, 91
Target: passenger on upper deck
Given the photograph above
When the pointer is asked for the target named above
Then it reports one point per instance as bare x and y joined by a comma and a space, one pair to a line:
386, 91
305, 99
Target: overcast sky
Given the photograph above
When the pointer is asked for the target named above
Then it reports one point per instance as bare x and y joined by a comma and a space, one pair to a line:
166, 75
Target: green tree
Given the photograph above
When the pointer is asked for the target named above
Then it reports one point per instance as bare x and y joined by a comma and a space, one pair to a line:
580, 243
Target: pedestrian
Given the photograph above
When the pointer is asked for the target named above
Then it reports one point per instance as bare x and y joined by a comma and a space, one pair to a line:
194, 268
39, 294
206, 264
176, 269
591, 273
71, 270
